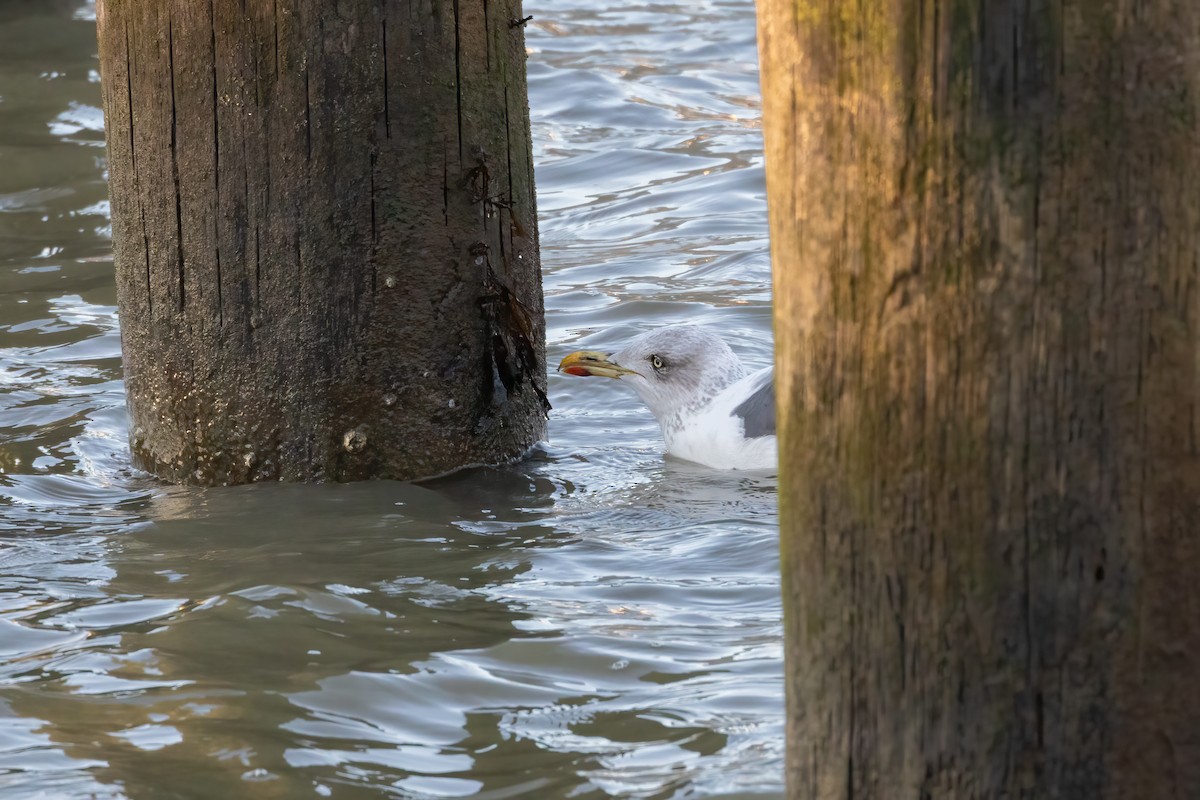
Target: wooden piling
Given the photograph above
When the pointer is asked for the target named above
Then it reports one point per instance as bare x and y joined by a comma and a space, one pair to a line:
325, 236
985, 225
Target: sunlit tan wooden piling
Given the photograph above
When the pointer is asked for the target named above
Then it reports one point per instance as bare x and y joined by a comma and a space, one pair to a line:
985, 224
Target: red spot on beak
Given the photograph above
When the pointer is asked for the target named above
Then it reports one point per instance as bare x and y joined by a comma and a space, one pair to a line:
581, 371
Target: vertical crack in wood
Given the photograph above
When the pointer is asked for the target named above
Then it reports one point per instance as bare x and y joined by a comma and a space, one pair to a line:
264, 173
307, 118
851, 731
794, 132
487, 34
527, 167
935, 74
374, 228
299, 268
241, 243
387, 114
216, 134
137, 182
257, 271
220, 296
1040, 711
512, 206
180, 264
1031, 401
445, 185
374, 233
1015, 95
458, 87
275, 25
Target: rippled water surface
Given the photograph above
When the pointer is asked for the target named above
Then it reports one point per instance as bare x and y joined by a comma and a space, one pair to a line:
596, 622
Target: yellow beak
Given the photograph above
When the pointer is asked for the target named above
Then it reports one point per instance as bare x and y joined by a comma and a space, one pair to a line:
589, 362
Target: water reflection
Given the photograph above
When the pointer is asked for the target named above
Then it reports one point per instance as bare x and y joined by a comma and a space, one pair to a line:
238, 630
429, 636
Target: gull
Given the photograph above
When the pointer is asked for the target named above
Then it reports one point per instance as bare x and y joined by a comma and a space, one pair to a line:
711, 410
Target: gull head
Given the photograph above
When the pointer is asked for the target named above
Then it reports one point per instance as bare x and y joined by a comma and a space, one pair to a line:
675, 369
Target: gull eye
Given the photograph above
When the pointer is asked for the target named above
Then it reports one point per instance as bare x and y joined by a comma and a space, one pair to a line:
656, 362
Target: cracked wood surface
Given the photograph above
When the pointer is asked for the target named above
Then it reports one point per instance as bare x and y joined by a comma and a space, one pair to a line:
304, 263
985, 224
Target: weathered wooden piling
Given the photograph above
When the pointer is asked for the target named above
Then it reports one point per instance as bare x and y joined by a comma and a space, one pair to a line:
985, 224
325, 236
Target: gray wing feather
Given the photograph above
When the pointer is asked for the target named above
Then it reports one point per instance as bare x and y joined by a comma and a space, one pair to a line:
758, 410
